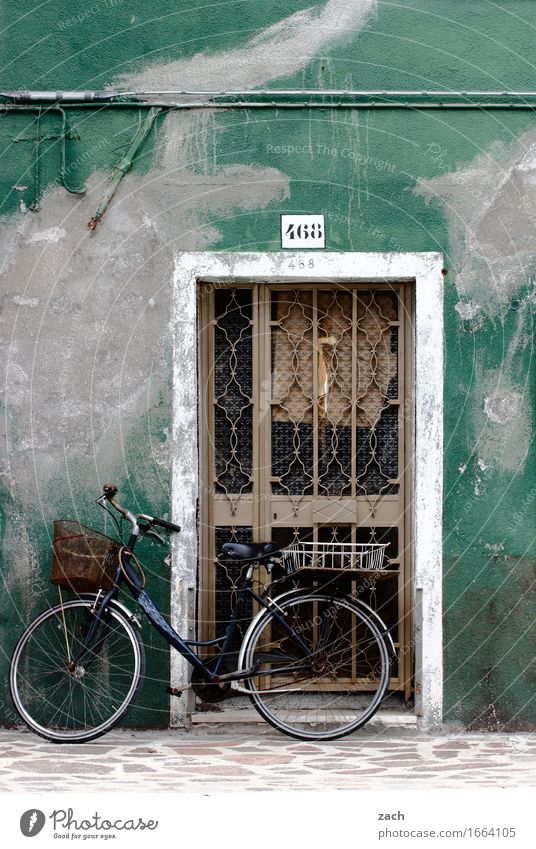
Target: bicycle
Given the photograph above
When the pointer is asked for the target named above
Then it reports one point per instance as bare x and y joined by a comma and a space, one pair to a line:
316, 666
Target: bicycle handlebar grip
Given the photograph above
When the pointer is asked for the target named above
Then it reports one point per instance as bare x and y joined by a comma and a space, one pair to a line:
110, 490
168, 525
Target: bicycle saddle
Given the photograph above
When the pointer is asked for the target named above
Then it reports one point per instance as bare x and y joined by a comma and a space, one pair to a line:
250, 550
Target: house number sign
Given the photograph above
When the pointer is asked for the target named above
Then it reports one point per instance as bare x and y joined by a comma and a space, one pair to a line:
303, 231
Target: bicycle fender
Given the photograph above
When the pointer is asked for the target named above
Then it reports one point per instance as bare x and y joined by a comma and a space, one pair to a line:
118, 605
247, 634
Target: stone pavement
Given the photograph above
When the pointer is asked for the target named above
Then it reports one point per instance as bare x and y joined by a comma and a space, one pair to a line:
253, 758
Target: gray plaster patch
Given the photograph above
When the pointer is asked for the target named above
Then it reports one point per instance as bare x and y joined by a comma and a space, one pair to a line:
276, 52
490, 207
501, 406
86, 327
90, 359
467, 310
502, 421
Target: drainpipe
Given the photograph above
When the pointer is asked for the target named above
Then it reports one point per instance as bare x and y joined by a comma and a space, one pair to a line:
124, 166
156, 101
40, 111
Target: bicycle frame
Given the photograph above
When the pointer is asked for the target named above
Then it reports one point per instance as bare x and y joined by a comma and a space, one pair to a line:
126, 573
319, 641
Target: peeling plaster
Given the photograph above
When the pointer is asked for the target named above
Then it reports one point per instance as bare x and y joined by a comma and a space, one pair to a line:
490, 204
52, 235
88, 361
276, 52
27, 577
500, 407
467, 310
86, 378
74, 387
490, 207
502, 420
494, 547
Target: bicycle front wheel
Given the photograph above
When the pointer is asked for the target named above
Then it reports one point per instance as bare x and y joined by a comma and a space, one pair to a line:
323, 667
73, 702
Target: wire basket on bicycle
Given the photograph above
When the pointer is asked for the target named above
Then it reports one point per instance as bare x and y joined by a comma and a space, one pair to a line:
334, 556
83, 559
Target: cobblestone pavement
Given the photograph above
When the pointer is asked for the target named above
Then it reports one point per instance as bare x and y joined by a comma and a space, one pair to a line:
254, 759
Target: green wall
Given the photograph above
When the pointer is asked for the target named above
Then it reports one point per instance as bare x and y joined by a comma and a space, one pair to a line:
86, 335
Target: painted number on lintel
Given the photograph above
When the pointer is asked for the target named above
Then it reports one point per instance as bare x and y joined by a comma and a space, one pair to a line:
303, 231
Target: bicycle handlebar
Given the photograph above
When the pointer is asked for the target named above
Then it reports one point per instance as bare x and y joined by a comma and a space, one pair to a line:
163, 524
154, 520
110, 491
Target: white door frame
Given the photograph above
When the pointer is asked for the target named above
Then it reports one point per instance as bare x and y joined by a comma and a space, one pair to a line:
425, 271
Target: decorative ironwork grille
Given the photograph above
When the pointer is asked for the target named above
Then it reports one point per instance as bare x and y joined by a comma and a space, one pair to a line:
233, 385
328, 409
303, 389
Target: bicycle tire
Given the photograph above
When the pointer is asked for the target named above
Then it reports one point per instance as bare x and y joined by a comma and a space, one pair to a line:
55, 702
321, 694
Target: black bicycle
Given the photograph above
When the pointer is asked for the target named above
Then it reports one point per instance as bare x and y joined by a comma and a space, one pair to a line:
315, 665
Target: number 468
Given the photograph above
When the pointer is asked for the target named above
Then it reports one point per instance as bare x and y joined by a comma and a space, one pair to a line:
304, 231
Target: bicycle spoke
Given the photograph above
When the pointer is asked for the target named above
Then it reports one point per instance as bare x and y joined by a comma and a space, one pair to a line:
83, 700
336, 686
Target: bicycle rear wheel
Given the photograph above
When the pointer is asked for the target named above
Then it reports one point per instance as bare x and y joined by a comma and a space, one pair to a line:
73, 703
323, 666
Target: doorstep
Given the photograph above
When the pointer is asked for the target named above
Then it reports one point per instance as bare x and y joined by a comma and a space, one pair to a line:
384, 719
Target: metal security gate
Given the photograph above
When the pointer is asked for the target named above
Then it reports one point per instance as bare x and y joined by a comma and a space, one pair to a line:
305, 426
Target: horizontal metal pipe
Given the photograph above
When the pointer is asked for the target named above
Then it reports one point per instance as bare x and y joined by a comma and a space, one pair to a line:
278, 98
57, 96
334, 92
106, 95
266, 104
